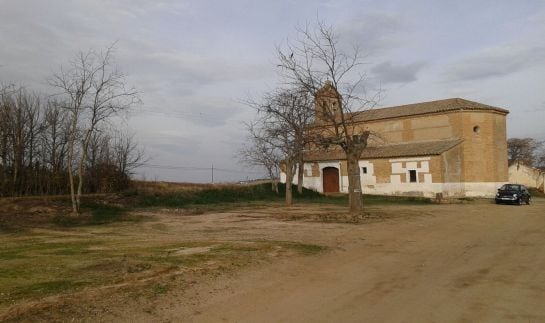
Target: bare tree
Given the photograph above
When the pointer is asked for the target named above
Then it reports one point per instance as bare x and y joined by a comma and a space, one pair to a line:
54, 145
95, 91
127, 155
541, 159
20, 115
523, 149
315, 62
34, 140
291, 108
260, 152
282, 120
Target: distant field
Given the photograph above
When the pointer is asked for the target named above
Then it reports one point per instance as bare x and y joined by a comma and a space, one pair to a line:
157, 186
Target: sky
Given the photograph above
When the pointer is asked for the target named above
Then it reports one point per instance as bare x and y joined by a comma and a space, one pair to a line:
195, 62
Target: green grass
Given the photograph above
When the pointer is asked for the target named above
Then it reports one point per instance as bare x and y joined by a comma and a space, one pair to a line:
159, 289
255, 193
96, 213
535, 193
403, 200
207, 196
46, 288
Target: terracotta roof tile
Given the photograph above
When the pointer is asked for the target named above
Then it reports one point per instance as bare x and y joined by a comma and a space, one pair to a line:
423, 108
424, 148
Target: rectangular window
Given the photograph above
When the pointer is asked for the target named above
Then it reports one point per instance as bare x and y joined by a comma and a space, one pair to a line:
412, 176
364, 170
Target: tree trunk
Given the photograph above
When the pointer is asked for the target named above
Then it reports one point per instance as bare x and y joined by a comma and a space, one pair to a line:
300, 173
71, 143
71, 181
290, 169
81, 166
274, 183
354, 183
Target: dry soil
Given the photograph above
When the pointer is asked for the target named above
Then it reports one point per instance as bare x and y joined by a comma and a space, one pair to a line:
476, 262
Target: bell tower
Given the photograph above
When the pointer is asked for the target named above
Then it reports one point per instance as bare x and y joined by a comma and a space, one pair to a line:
327, 103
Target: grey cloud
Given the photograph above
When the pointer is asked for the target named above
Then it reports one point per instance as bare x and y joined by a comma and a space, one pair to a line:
495, 62
189, 68
210, 110
375, 32
386, 72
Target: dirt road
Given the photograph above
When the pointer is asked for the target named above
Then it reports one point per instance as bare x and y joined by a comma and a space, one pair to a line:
456, 263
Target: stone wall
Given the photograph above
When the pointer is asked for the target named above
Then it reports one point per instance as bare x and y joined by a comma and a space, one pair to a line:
529, 176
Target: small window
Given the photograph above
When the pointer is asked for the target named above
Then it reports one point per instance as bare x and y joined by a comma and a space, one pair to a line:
476, 129
364, 170
412, 176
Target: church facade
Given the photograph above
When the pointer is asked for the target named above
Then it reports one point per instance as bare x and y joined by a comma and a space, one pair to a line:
453, 147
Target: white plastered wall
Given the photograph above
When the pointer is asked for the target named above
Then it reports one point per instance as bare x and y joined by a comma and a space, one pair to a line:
369, 178
399, 184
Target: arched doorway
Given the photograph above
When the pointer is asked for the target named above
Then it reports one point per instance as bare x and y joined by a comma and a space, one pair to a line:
331, 179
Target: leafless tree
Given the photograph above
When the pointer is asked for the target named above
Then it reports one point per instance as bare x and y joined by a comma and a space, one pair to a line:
283, 116
94, 90
54, 146
314, 61
541, 159
262, 153
20, 115
34, 140
525, 150
127, 155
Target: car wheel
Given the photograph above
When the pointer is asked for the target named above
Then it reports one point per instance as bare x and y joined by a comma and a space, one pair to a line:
528, 201
519, 201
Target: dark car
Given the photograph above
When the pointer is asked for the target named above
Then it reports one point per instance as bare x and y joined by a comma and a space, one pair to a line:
513, 193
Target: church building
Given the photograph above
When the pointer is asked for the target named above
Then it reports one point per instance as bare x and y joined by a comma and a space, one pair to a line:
454, 147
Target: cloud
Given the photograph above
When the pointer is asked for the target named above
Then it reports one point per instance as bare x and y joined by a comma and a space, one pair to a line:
386, 72
495, 62
183, 68
375, 32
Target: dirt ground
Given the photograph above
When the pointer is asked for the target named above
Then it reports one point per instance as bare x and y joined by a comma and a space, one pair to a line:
475, 262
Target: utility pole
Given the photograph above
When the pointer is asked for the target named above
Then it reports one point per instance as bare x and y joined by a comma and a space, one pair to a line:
212, 173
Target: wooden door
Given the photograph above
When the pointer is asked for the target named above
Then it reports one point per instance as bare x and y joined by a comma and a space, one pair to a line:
331, 180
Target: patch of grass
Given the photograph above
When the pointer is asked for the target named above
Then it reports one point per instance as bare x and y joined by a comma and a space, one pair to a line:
211, 196
384, 199
207, 196
39, 265
42, 289
95, 213
32, 247
159, 289
106, 213
534, 192
303, 248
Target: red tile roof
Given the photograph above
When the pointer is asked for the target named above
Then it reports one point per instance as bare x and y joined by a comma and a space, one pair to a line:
413, 149
424, 108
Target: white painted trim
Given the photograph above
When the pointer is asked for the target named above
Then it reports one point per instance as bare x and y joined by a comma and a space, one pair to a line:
408, 159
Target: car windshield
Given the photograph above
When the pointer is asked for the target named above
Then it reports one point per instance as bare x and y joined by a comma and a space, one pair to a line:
510, 187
